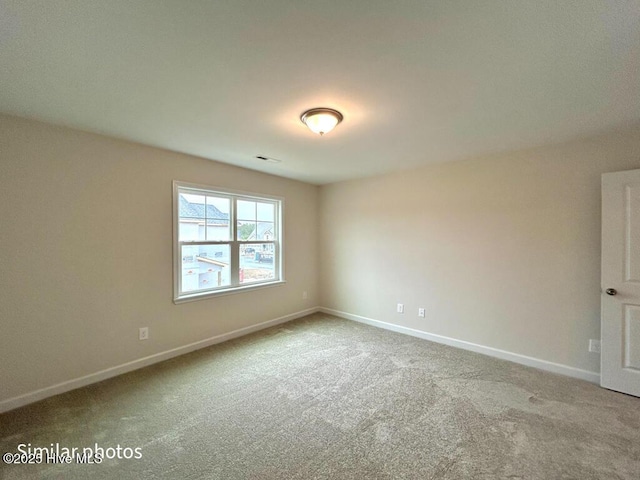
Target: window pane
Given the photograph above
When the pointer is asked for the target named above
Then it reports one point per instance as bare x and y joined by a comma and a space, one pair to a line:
246, 210
247, 230
205, 266
191, 222
217, 230
191, 206
266, 212
265, 231
257, 262
191, 229
218, 218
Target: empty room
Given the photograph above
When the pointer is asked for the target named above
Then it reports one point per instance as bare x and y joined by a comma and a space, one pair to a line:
319, 239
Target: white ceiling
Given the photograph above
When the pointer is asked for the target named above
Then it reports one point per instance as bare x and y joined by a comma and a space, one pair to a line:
417, 81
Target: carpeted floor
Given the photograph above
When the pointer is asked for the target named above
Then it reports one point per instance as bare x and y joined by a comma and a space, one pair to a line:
323, 397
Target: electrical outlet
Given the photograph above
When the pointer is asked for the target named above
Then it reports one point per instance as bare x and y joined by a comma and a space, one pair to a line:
400, 308
305, 295
143, 333
422, 312
594, 346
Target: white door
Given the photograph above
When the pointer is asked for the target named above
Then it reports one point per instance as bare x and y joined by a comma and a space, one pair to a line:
620, 360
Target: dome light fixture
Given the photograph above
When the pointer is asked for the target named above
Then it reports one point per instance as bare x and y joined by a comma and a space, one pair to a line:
321, 120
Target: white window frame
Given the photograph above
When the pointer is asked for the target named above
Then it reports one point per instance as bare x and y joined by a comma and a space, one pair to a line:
234, 243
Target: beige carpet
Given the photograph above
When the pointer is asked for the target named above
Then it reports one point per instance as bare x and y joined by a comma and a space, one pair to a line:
323, 398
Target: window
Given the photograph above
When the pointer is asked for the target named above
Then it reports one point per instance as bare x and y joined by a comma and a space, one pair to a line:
224, 241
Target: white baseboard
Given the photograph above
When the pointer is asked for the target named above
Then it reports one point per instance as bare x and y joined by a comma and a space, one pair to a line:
593, 377
19, 401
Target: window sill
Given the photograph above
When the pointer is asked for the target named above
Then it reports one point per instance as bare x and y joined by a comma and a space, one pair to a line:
232, 291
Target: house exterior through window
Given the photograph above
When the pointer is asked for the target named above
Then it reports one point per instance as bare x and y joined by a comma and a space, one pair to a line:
224, 241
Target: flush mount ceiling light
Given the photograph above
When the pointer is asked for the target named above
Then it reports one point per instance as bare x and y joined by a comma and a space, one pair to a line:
321, 120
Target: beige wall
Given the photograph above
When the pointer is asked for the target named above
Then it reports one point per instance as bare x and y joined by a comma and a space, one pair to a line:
502, 251
86, 254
